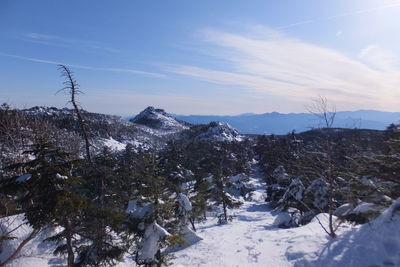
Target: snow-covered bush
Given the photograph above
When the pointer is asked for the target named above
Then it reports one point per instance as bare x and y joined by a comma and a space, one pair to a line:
305, 202
316, 195
343, 210
277, 185
292, 197
364, 212
150, 236
149, 252
184, 208
240, 185
280, 176
288, 219
274, 193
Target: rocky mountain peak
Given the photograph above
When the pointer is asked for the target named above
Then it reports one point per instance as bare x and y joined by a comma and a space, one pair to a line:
158, 119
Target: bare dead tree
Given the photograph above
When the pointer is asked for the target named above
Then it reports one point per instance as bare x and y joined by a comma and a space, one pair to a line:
72, 87
326, 113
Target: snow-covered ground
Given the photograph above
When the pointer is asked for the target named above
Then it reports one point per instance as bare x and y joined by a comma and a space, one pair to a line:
36, 253
249, 240
252, 239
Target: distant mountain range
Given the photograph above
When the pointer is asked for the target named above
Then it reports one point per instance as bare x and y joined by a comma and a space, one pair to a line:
279, 123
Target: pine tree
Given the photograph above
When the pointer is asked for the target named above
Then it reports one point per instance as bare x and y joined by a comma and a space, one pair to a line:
104, 216
152, 210
219, 194
199, 200
46, 195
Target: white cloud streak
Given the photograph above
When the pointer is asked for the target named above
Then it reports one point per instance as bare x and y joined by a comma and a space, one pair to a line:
362, 11
59, 41
290, 68
123, 70
379, 58
337, 16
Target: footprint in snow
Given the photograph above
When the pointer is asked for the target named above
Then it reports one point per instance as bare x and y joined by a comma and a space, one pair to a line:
253, 254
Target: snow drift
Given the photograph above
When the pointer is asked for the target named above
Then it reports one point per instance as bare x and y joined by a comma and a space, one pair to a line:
373, 244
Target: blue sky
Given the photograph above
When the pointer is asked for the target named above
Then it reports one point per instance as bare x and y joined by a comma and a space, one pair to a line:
202, 57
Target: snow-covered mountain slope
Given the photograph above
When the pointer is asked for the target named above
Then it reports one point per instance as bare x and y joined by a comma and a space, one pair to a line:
109, 130
220, 131
151, 129
47, 111
214, 131
65, 113
158, 119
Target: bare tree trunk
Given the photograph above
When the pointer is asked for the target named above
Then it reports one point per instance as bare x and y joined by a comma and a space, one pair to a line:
70, 252
12, 257
224, 208
330, 207
331, 180
327, 114
72, 86
83, 129
191, 220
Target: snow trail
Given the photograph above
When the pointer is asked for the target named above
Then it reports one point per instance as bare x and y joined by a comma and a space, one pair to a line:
249, 240
252, 239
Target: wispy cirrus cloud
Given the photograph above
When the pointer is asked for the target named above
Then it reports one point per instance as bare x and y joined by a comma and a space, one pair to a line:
59, 41
276, 64
78, 66
379, 58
